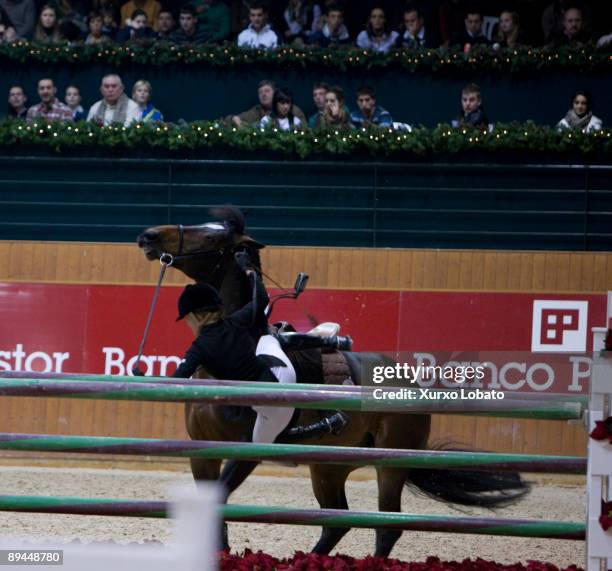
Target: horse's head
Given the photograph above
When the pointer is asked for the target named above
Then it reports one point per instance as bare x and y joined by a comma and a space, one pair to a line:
205, 252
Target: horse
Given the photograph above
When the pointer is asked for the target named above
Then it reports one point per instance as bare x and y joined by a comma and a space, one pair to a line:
205, 253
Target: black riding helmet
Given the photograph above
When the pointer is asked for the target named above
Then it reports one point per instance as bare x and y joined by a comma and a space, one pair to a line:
201, 297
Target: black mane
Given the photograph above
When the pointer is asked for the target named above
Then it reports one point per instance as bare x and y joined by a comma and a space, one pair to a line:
231, 215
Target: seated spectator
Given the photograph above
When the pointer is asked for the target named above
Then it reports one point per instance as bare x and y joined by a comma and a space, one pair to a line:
109, 24
47, 29
335, 114
165, 25
333, 32
215, 19
377, 36
580, 117
573, 29
141, 94
189, 31
370, 114
508, 32
73, 100
7, 32
472, 34
50, 107
415, 34
115, 106
22, 15
150, 7
17, 102
95, 25
281, 115
319, 91
300, 18
258, 34
136, 29
254, 115
473, 114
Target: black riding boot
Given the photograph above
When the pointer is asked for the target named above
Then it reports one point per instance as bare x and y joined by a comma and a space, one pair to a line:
298, 341
332, 423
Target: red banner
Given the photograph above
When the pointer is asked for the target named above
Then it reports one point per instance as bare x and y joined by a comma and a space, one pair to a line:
97, 328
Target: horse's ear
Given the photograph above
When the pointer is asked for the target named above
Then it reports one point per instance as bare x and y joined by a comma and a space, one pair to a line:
248, 241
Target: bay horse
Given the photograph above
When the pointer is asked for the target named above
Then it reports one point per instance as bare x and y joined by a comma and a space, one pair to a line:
205, 253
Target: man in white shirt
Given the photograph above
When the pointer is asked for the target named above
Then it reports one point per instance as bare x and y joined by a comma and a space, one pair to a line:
258, 34
115, 106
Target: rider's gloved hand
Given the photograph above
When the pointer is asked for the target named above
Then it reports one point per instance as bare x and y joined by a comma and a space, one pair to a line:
243, 260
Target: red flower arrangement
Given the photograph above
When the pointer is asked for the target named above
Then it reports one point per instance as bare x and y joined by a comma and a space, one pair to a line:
260, 561
602, 430
605, 519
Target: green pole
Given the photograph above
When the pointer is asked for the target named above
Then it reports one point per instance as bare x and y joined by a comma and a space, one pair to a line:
297, 516
319, 399
306, 454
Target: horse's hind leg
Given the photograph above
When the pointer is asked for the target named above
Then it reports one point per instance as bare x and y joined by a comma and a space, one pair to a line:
328, 485
396, 432
390, 485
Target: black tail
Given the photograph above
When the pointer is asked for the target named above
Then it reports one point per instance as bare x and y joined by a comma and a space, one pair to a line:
469, 487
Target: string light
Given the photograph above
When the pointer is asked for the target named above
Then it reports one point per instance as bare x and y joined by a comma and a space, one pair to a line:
166, 54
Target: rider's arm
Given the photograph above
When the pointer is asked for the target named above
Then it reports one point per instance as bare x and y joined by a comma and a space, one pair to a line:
194, 357
244, 315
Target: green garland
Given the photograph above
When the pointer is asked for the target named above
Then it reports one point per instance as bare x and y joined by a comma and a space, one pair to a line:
480, 58
206, 137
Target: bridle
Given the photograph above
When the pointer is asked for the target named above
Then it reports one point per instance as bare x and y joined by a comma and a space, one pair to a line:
166, 259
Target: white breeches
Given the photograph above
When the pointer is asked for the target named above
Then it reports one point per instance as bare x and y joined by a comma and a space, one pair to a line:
271, 421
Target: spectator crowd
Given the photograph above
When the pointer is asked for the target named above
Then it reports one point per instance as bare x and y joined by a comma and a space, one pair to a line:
275, 108
377, 26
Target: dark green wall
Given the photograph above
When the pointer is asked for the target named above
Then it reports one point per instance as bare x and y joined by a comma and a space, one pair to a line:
544, 207
191, 92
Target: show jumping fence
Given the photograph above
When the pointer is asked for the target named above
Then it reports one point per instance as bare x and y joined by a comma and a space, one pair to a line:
316, 397
296, 396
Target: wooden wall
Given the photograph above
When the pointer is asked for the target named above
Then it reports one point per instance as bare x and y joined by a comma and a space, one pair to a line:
346, 268
329, 268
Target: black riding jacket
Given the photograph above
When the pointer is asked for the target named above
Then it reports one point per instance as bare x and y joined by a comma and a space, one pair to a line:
226, 349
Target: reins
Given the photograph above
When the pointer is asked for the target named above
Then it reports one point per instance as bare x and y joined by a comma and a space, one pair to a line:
165, 260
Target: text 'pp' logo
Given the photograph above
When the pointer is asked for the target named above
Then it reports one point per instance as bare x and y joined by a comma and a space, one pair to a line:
559, 325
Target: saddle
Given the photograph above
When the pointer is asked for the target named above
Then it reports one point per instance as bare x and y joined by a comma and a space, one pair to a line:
317, 366
311, 366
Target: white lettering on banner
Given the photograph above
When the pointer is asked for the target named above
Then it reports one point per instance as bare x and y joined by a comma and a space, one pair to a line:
35, 362
506, 383
425, 360
579, 373
511, 375
114, 363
